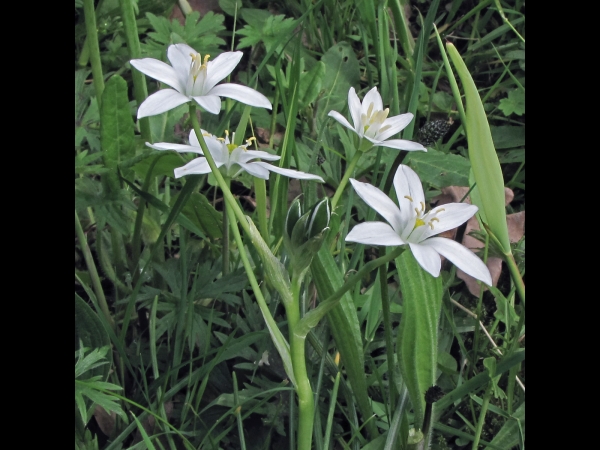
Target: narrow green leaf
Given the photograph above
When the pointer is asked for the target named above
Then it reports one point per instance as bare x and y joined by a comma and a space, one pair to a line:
484, 160
512, 432
277, 276
417, 337
89, 329
346, 331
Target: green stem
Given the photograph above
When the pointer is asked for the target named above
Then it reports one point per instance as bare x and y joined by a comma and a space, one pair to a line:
89, 261
271, 324
387, 329
225, 252
260, 190
135, 52
230, 199
344, 182
482, 413
93, 47
515, 275
306, 406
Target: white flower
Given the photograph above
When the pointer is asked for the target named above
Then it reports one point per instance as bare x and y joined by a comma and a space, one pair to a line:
413, 226
371, 122
230, 158
192, 77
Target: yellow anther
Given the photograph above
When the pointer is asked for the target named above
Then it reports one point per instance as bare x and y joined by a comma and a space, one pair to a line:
206, 58
440, 210
422, 206
410, 198
337, 358
417, 211
221, 139
370, 109
431, 225
434, 219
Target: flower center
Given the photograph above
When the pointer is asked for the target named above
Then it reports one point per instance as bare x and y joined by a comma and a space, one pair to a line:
422, 217
198, 66
373, 120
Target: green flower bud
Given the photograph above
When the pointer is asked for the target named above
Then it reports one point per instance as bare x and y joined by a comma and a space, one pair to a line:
319, 218
293, 214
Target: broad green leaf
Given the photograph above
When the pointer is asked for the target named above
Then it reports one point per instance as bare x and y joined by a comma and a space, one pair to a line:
310, 84
341, 72
417, 336
508, 136
230, 7
199, 210
440, 169
515, 103
484, 160
117, 123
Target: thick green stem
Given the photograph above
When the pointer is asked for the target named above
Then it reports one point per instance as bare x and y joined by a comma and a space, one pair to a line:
306, 406
387, 330
93, 47
133, 45
344, 182
89, 261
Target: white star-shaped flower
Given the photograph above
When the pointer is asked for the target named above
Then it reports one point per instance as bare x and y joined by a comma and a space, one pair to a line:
372, 124
230, 158
194, 78
411, 225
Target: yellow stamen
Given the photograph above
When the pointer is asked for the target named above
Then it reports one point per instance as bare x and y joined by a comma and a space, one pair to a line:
409, 198
422, 206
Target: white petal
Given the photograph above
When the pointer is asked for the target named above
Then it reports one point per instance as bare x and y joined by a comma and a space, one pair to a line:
395, 124
461, 256
341, 119
159, 71
196, 166
380, 203
355, 108
399, 144
180, 57
372, 97
220, 67
193, 139
289, 172
374, 233
453, 215
427, 258
408, 184
243, 94
251, 154
256, 170
219, 152
211, 103
177, 147
161, 101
